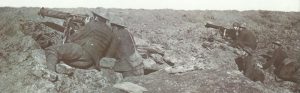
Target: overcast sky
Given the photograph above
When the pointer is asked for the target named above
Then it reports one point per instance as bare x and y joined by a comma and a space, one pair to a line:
277, 5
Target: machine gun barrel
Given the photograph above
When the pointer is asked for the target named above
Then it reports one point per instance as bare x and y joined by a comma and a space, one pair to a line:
70, 21
62, 15
54, 14
214, 26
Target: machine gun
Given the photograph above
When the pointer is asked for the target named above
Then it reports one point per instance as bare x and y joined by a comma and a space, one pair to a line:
243, 39
72, 22
225, 32
63, 15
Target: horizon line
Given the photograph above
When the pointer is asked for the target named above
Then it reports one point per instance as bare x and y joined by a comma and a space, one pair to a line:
152, 8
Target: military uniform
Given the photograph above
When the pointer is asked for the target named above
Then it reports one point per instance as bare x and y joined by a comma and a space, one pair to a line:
278, 56
85, 49
239, 35
93, 42
244, 38
248, 63
289, 71
285, 68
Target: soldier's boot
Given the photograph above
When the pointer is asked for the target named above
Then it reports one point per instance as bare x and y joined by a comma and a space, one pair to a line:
136, 63
130, 66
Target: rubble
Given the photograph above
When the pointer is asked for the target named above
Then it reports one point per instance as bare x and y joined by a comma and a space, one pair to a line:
97, 79
180, 69
148, 63
157, 58
39, 55
130, 87
28, 43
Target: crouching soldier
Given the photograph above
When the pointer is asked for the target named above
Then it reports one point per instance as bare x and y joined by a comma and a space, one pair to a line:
285, 68
240, 36
248, 62
94, 41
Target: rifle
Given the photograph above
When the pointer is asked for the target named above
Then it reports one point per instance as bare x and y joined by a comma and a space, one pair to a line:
70, 21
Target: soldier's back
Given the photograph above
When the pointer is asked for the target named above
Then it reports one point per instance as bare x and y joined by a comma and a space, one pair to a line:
289, 71
247, 39
94, 38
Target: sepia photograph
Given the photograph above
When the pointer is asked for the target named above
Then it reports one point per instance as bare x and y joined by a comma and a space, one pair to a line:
150, 46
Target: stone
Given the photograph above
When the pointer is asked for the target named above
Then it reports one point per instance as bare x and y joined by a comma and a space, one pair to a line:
37, 73
172, 58
39, 55
206, 45
107, 62
28, 43
155, 49
148, 63
97, 79
51, 76
18, 56
140, 42
130, 87
64, 69
157, 58
41, 86
180, 69
111, 89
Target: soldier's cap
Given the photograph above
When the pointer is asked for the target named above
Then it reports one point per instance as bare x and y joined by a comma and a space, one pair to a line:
236, 24
117, 25
100, 18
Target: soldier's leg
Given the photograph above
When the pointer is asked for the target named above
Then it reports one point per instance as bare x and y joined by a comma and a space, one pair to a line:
130, 61
70, 53
83, 62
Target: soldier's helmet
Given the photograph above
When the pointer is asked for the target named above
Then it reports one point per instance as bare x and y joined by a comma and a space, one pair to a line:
236, 24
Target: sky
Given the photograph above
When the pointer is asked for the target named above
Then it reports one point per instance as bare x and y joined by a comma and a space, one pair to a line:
241, 5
